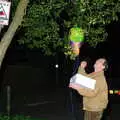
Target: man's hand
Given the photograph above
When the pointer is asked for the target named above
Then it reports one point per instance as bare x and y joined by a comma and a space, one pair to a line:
74, 86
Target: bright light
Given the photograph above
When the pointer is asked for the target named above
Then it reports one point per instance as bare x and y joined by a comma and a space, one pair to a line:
111, 91
114, 92
56, 65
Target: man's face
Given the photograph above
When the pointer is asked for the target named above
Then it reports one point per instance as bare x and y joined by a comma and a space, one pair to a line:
99, 64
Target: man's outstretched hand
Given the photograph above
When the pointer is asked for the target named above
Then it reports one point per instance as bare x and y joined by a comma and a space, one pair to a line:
83, 64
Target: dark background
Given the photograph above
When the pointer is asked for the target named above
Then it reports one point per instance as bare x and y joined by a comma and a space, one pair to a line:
30, 73
19, 56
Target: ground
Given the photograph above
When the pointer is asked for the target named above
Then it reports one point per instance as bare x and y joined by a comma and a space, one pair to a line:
49, 104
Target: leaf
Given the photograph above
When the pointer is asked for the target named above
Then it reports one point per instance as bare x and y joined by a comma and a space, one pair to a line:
46, 22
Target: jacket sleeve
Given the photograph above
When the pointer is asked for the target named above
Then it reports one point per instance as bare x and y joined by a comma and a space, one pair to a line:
89, 92
81, 71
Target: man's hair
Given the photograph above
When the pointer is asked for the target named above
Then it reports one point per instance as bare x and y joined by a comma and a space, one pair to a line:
105, 64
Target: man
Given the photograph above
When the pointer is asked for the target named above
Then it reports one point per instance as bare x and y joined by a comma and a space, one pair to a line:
94, 101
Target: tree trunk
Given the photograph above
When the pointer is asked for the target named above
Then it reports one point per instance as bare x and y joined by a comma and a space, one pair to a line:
8, 36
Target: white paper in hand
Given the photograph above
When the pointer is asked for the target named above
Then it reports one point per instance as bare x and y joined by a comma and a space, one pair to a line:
83, 81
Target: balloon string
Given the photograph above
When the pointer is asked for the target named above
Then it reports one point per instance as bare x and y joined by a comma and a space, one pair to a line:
76, 65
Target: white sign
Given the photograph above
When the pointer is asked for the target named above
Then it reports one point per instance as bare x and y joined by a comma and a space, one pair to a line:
83, 81
4, 12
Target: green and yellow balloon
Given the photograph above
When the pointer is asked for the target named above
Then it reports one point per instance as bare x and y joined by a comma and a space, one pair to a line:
76, 34
76, 37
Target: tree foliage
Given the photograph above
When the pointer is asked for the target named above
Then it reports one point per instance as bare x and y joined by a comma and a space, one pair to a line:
47, 23
93, 16
41, 28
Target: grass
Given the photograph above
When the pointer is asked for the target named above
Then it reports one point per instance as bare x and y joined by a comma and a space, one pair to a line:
19, 117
